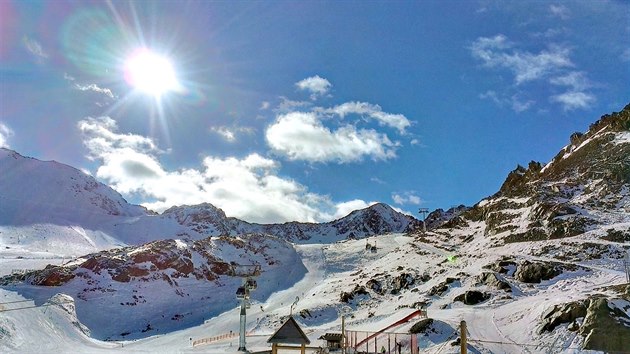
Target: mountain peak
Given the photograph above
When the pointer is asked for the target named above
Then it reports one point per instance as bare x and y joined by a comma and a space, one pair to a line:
42, 191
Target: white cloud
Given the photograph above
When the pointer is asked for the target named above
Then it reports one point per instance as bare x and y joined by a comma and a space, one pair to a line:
515, 102
102, 138
93, 87
373, 111
225, 132
576, 96
560, 11
552, 65
406, 198
377, 180
493, 96
34, 47
287, 105
577, 80
248, 188
5, 134
302, 136
229, 133
316, 85
572, 100
519, 105
497, 52
264, 105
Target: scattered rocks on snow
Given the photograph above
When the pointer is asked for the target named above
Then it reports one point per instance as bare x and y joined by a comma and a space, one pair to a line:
504, 266
563, 313
472, 297
442, 287
529, 272
492, 280
605, 323
348, 296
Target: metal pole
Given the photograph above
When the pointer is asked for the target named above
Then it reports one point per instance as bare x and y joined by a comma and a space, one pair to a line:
241, 340
343, 334
463, 345
424, 212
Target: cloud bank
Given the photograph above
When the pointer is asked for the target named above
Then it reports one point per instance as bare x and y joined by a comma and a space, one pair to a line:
552, 65
249, 188
303, 132
302, 136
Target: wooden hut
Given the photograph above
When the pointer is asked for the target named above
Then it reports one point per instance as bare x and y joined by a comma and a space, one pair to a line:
289, 336
333, 341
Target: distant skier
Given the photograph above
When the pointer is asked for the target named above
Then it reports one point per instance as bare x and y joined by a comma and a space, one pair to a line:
261, 308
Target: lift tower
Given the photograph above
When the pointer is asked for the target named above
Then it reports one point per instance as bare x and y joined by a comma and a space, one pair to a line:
248, 272
424, 212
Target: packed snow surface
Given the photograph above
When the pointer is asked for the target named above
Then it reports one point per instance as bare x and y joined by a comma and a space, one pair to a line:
330, 270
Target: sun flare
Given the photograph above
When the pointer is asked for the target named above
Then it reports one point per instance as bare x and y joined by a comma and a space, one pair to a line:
150, 73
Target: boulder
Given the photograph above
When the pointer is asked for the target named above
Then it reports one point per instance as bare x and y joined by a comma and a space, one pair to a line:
606, 327
529, 272
563, 313
441, 288
472, 297
491, 279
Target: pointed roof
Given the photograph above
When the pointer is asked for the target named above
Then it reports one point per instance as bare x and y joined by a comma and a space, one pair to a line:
289, 333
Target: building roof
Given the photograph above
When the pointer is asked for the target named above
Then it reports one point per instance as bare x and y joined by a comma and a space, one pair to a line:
290, 333
332, 337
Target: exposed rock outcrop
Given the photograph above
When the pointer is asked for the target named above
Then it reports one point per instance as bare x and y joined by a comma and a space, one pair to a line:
472, 297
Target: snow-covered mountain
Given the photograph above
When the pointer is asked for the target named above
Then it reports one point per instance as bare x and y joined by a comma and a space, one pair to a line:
536, 267
163, 285
377, 219
34, 192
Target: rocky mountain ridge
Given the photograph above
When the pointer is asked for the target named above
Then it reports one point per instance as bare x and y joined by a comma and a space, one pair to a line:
587, 183
34, 192
376, 219
162, 285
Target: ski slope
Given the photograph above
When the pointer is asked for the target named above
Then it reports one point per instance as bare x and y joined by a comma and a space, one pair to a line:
501, 323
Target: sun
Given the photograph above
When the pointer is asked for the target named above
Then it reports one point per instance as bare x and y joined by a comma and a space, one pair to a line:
150, 73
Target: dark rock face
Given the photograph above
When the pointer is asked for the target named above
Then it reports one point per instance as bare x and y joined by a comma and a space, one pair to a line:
349, 296
605, 328
534, 273
592, 173
53, 276
617, 236
472, 297
449, 218
403, 281
442, 287
503, 266
563, 313
421, 326
492, 280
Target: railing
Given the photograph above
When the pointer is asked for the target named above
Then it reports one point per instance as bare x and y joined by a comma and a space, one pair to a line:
209, 340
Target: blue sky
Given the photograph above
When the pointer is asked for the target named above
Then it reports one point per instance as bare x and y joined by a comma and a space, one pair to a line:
306, 110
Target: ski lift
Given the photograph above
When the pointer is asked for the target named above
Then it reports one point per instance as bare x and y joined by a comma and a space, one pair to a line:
250, 284
241, 292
